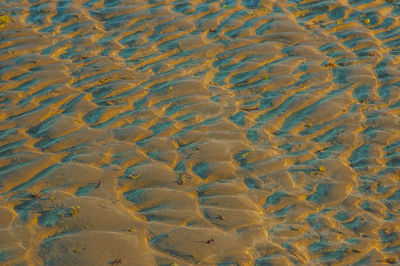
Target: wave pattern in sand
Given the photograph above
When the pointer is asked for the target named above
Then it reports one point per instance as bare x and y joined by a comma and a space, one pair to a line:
199, 132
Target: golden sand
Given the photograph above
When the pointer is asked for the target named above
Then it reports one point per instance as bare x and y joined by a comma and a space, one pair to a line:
205, 132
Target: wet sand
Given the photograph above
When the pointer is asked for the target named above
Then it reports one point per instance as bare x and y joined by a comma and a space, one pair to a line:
183, 132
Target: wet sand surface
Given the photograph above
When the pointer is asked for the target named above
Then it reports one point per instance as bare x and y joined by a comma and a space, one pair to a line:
183, 132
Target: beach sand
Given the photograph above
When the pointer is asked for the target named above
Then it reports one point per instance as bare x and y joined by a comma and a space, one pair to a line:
237, 132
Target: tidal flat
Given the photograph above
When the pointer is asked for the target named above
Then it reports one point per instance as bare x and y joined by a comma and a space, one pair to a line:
201, 132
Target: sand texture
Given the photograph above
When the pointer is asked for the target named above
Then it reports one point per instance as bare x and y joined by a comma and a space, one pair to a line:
235, 132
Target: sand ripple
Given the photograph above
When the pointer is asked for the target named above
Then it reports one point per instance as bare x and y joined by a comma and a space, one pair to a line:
199, 132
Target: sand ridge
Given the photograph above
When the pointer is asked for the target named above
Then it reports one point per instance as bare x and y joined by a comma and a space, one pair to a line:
236, 132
